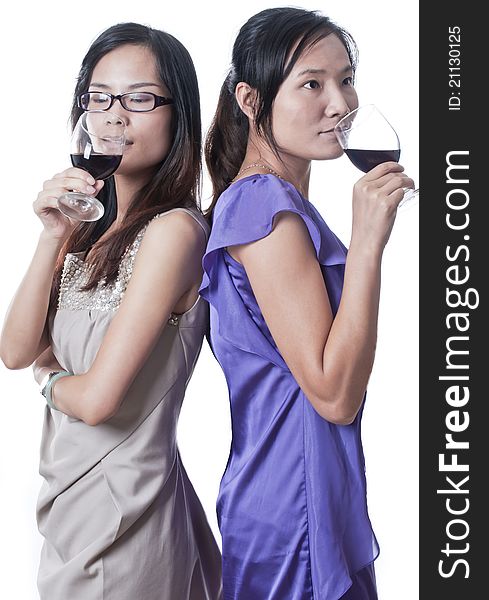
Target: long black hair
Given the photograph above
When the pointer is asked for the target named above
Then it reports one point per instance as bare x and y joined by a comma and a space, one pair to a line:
262, 57
176, 181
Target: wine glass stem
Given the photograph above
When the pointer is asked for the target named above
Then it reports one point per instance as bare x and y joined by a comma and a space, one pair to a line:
410, 196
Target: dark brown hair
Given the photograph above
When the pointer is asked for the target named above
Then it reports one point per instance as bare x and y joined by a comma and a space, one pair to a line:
176, 181
261, 58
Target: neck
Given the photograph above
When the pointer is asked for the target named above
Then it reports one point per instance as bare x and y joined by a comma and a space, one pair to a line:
127, 186
293, 169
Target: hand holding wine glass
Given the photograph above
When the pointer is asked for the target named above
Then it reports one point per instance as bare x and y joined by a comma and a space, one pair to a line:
368, 140
97, 145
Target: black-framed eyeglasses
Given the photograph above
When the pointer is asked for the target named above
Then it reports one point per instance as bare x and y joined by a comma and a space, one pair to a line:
132, 101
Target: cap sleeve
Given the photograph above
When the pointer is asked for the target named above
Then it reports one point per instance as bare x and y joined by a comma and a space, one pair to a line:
245, 213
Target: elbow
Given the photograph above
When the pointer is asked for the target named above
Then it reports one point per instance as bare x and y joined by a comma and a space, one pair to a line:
80, 397
338, 415
343, 418
94, 417
336, 399
99, 413
14, 353
13, 361
91, 418
337, 410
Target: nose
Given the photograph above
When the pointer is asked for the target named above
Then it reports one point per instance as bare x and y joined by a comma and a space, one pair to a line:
114, 117
338, 105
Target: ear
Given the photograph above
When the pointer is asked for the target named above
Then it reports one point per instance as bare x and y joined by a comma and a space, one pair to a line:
246, 98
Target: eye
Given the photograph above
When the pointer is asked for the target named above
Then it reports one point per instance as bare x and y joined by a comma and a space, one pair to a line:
97, 98
348, 81
141, 98
312, 84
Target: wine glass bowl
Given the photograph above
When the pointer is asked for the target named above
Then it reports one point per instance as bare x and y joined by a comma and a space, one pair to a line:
368, 139
97, 145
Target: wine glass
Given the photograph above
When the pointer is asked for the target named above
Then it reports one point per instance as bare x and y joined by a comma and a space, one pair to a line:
97, 144
368, 140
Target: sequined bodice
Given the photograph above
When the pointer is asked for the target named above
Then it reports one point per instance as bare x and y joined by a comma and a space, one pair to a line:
104, 297
76, 273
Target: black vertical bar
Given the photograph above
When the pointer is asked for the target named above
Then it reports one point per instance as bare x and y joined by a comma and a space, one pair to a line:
454, 265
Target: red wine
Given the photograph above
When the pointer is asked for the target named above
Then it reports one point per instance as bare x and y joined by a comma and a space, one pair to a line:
365, 160
100, 166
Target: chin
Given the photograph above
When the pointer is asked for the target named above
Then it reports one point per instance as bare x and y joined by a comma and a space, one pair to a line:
328, 154
326, 149
336, 153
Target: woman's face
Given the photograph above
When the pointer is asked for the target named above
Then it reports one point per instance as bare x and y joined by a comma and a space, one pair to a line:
316, 94
132, 68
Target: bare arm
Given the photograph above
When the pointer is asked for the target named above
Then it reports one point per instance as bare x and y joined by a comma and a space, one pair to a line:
331, 359
167, 266
24, 333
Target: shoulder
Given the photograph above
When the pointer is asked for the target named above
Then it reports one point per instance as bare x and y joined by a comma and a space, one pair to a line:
251, 204
181, 220
177, 226
248, 209
262, 193
174, 236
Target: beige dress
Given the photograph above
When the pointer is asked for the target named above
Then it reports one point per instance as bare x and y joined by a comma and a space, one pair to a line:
120, 518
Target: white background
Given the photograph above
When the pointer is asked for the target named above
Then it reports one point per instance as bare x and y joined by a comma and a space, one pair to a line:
41, 48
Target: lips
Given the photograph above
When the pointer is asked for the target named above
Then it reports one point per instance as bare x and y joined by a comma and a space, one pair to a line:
329, 130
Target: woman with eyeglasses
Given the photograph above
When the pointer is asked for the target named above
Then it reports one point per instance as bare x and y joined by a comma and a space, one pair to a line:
109, 313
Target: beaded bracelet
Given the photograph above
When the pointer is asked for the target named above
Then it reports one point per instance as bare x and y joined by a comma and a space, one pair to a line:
47, 390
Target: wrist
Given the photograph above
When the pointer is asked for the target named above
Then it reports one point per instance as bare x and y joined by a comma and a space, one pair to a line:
365, 250
47, 384
40, 375
47, 240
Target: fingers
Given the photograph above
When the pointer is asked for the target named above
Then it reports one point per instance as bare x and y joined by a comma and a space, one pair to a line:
45, 205
394, 182
99, 184
385, 180
376, 197
381, 189
71, 179
382, 170
66, 184
45, 202
77, 173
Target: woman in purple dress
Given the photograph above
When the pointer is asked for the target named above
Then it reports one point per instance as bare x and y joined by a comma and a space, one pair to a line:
293, 316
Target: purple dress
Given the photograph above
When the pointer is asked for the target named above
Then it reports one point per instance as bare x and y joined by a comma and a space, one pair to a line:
292, 502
